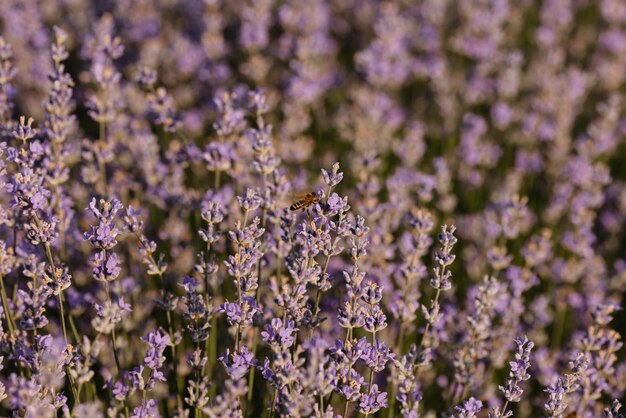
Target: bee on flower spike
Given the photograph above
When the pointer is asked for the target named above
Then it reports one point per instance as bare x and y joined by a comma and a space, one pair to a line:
306, 202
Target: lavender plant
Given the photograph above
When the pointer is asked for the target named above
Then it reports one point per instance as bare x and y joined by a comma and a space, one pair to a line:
459, 250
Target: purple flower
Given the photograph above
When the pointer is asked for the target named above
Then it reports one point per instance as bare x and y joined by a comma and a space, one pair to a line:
250, 201
231, 118
109, 315
147, 409
351, 387
218, 156
240, 313
106, 266
33, 309
468, 409
375, 320
377, 355
27, 191
120, 390
613, 411
157, 343
333, 177
24, 130
105, 233
512, 390
239, 363
373, 401
278, 335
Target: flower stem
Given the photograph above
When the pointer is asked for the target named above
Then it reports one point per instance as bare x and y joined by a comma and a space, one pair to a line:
71, 320
427, 328
113, 339
318, 296
252, 369
48, 251
117, 360
198, 412
7, 311
503, 411
275, 397
62, 317
101, 162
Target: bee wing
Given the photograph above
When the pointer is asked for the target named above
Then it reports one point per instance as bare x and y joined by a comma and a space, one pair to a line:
301, 200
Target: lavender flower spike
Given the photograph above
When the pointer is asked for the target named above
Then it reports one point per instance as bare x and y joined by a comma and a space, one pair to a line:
518, 374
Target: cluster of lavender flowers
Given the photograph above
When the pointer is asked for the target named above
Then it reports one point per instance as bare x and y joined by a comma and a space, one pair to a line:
460, 252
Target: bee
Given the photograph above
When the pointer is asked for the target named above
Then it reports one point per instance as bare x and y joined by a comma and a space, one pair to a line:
307, 201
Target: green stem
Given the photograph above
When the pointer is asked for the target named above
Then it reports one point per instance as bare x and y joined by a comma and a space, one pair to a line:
427, 328
245, 219
48, 251
7, 311
330, 400
179, 401
113, 339
71, 320
275, 397
62, 317
252, 369
216, 185
212, 354
371, 379
198, 412
101, 163
504, 409
318, 296
72, 387
257, 293
117, 360
237, 339
239, 296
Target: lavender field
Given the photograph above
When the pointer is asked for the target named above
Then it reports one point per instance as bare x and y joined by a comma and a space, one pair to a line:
312, 208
